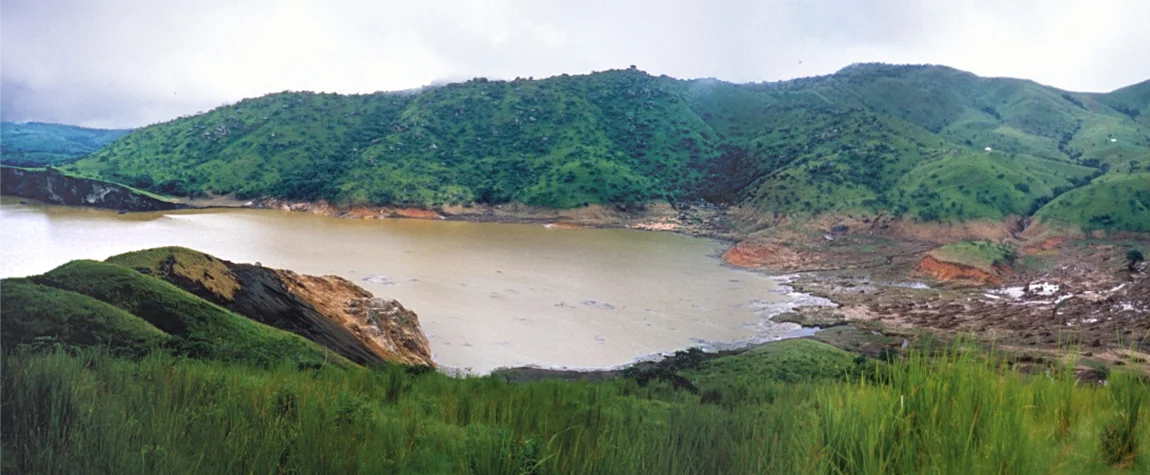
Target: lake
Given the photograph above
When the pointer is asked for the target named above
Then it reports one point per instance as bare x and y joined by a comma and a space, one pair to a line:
488, 295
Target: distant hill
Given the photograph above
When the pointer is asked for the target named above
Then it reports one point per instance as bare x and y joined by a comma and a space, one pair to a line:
905, 140
36, 144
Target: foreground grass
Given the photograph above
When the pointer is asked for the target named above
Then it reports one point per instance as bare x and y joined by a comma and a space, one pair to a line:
94, 413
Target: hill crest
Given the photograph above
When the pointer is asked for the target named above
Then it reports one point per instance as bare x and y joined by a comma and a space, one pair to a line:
930, 143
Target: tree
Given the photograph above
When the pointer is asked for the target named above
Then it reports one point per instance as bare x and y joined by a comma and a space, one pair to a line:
1133, 257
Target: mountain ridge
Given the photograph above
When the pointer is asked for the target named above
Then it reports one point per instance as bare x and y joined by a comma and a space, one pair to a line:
907, 140
36, 144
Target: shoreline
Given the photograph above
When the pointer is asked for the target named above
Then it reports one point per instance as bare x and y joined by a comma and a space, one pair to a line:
657, 216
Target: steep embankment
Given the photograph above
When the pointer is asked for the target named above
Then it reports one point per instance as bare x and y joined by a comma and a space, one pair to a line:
53, 186
328, 310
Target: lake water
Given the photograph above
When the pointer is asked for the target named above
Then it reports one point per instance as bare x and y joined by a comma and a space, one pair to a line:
487, 295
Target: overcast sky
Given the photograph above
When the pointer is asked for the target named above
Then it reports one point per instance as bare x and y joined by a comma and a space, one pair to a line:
129, 63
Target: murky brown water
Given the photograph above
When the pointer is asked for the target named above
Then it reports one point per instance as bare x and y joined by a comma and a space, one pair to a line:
488, 295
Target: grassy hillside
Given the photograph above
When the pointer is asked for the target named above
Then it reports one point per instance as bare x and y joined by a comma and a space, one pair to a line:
36, 144
200, 273
908, 140
1114, 201
911, 140
561, 142
1132, 101
330, 311
74, 297
38, 314
90, 413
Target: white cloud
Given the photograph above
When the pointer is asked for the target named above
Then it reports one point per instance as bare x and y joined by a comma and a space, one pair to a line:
128, 63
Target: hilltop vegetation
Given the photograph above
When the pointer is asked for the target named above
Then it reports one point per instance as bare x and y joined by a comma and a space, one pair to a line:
36, 144
87, 303
903, 140
986, 256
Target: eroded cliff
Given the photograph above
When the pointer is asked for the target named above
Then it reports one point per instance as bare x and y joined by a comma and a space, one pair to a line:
328, 310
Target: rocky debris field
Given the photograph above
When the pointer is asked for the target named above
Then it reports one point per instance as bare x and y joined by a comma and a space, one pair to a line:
1058, 298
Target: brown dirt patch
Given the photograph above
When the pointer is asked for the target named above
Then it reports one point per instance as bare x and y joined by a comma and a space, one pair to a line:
416, 213
1043, 245
752, 254
946, 233
948, 272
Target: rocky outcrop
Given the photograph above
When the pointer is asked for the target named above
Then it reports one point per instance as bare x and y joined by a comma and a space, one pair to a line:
53, 186
943, 271
384, 326
328, 310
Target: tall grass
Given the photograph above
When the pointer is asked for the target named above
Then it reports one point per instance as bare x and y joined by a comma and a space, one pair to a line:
90, 412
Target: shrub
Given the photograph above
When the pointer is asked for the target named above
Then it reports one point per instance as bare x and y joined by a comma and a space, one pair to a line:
1133, 257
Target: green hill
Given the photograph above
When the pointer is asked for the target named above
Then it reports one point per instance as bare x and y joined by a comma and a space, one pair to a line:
907, 140
36, 144
88, 296
34, 311
1132, 101
1114, 201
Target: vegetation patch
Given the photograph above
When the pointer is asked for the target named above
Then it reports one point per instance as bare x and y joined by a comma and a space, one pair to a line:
987, 256
791, 361
194, 268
